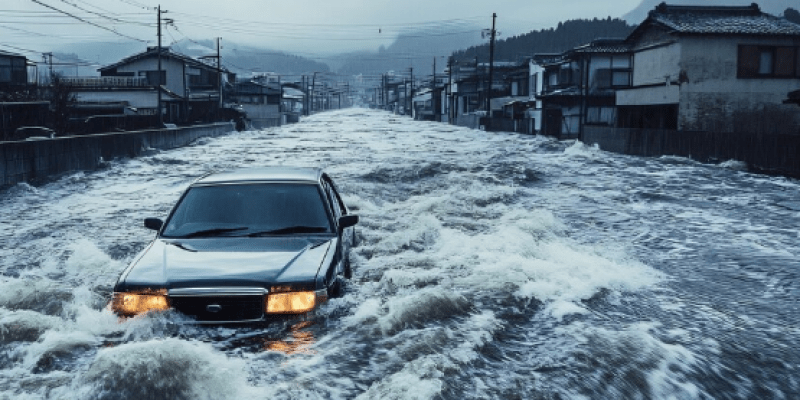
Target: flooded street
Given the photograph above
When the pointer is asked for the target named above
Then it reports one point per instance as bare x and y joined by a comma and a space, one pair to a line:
488, 266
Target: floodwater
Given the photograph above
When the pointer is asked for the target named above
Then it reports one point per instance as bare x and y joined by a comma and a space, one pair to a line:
489, 266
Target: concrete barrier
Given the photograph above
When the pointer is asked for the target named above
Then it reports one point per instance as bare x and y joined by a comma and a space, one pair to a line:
36, 161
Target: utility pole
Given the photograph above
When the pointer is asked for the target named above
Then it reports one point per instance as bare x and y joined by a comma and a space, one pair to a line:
411, 93
49, 56
305, 94
491, 68
313, 88
385, 93
450, 104
433, 89
219, 77
158, 85
405, 95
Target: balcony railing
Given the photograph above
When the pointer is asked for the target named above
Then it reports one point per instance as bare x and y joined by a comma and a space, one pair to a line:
106, 81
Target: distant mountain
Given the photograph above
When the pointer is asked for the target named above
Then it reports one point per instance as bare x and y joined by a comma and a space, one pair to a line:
85, 58
411, 50
247, 60
775, 7
565, 36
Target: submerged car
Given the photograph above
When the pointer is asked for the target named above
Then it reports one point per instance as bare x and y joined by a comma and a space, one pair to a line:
244, 245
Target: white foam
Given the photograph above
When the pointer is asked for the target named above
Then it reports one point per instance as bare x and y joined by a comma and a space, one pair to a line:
168, 367
580, 149
734, 165
421, 379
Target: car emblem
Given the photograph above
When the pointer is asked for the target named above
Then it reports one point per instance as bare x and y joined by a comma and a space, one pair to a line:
213, 308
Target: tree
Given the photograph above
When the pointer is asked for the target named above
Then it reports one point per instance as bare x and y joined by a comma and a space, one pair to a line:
62, 97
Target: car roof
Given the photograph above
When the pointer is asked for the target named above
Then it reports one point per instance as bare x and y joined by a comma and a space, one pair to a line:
263, 174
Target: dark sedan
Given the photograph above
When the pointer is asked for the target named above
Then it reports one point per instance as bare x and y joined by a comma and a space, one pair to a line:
240, 246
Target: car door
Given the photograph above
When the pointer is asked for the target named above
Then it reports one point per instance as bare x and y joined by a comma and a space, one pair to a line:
339, 209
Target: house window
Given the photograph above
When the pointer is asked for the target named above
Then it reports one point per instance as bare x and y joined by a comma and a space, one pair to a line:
768, 62
600, 116
552, 79
152, 77
5, 69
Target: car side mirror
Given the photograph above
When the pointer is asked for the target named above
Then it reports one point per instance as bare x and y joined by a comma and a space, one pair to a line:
347, 221
153, 223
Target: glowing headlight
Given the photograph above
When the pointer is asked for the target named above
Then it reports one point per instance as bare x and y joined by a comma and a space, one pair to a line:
293, 302
130, 304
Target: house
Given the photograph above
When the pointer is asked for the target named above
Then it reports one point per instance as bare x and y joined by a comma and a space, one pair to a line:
260, 99
109, 103
714, 69
189, 89
13, 71
580, 86
465, 102
518, 110
429, 101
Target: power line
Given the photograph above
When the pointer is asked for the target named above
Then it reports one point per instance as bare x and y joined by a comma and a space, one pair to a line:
138, 5
103, 15
86, 21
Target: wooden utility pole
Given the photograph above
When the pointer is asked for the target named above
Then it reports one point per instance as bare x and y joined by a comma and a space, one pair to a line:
313, 88
158, 84
433, 89
219, 77
411, 93
491, 69
450, 104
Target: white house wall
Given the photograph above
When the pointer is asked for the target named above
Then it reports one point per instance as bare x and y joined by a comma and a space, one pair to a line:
657, 65
173, 68
714, 99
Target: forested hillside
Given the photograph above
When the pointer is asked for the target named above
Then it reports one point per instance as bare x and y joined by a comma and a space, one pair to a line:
565, 36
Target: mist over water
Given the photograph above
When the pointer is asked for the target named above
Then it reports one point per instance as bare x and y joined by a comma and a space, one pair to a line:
489, 265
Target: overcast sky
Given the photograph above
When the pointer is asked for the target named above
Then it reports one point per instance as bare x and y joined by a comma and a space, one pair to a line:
306, 27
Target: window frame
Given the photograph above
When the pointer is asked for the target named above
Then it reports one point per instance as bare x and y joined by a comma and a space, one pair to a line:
749, 68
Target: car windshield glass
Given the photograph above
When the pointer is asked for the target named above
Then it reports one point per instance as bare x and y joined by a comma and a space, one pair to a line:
239, 210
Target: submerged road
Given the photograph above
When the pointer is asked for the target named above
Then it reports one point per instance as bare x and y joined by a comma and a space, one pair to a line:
490, 266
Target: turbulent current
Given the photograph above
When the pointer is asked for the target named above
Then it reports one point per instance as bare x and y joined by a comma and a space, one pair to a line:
489, 266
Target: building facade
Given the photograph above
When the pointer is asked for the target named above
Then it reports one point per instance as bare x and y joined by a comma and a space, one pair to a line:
719, 69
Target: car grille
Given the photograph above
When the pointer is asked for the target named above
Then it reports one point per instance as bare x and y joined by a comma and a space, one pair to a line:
229, 308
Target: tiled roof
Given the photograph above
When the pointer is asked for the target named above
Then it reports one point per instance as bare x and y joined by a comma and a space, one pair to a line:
722, 20
7, 54
166, 52
612, 45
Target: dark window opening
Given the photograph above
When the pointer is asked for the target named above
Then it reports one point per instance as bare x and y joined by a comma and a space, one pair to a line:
153, 77
768, 62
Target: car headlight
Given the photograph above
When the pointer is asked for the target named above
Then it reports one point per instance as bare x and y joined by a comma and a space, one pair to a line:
130, 304
294, 302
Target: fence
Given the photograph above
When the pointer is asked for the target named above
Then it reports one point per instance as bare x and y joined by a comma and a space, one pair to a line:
770, 153
39, 160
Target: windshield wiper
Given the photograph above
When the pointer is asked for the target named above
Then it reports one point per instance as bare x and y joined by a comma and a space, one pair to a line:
214, 232
291, 229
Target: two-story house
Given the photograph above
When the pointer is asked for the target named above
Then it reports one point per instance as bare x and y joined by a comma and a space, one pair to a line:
189, 88
714, 69
260, 98
580, 86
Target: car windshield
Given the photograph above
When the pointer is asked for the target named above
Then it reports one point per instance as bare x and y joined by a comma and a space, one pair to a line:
249, 209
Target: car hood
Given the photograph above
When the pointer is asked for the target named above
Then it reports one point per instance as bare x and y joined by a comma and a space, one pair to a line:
226, 262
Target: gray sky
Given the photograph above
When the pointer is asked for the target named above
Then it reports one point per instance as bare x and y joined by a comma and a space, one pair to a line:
305, 27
